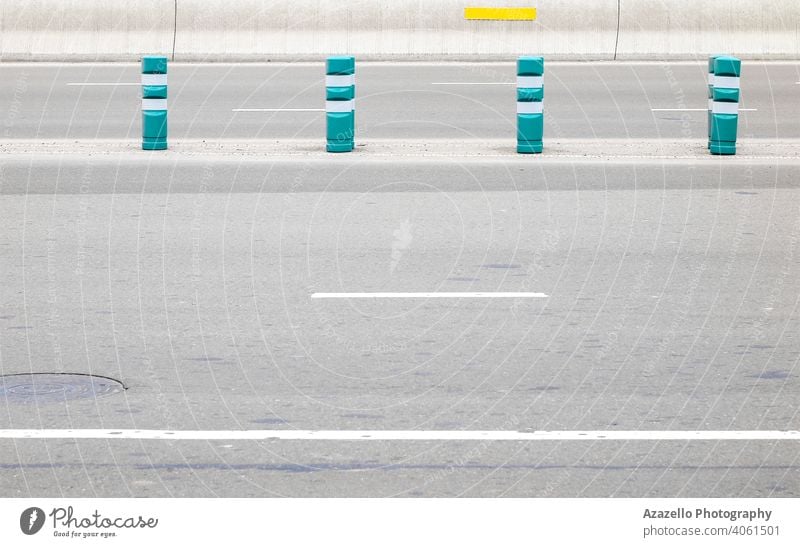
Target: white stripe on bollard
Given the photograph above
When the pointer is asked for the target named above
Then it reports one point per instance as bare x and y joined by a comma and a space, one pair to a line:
725, 108
340, 106
154, 104
154, 79
530, 107
726, 82
530, 81
340, 80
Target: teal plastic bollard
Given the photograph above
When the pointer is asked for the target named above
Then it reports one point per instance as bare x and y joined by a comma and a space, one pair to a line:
154, 103
725, 107
710, 91
340, 94
530, 105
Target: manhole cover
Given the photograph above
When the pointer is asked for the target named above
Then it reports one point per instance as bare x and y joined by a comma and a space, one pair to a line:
42, 389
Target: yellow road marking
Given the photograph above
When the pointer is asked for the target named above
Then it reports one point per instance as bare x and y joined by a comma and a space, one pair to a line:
500, 14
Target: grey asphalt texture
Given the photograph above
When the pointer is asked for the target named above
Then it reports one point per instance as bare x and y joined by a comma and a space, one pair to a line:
582, 100
673, 292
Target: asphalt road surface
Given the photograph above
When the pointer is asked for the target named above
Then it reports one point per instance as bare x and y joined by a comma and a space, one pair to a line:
395, 101
669, 285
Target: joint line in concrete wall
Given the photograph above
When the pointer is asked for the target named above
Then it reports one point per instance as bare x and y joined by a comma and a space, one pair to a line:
175, 29
616, 40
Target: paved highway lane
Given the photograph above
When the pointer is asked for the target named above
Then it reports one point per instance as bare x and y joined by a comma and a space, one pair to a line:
665, 281
403, 101
672, 304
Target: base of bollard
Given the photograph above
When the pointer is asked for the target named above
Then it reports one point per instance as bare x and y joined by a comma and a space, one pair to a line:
723, 149
339, 147
154, 144
530, 148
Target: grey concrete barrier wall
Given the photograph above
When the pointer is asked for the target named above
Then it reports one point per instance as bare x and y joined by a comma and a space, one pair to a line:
85, 29
209, 29
259, 30
690, 28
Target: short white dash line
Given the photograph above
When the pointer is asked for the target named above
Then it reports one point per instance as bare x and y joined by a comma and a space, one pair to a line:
473, 83
696, 109
278, 110
428, 295
104, 83
398, 435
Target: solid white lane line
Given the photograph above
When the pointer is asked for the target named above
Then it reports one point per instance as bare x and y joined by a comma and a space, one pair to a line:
103, 83
473, 83
408, 435
428, 295
278, 110
696, 109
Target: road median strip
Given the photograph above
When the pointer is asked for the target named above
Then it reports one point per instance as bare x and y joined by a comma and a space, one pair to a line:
562, 151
